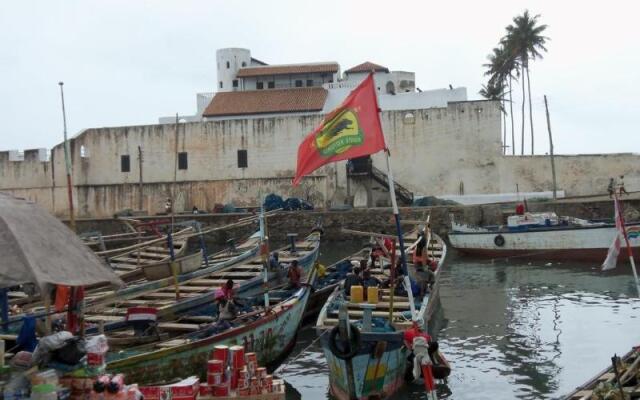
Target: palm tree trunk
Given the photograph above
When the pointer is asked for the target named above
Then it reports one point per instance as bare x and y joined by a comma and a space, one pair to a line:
513, 135
530, 108
504, 126
524, 100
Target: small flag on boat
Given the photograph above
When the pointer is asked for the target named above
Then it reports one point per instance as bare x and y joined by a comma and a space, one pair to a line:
352, 130
614, 250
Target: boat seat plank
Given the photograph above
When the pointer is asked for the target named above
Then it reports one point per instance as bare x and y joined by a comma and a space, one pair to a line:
241, 274
188, 288
161, 295
101, 317
145, 254
130, 261
172, 343
384, 304
173, 326
398, 325
359, 313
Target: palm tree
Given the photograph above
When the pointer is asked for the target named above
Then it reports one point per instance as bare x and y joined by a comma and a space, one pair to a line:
525, 41
495, 91
502, 67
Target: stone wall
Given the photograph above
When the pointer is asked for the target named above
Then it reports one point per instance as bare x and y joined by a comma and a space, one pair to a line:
435, 151
377, 219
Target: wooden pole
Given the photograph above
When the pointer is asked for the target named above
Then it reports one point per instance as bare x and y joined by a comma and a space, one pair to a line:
140, 198
553, 164
392, 286
67, 161
175, 172
626, 241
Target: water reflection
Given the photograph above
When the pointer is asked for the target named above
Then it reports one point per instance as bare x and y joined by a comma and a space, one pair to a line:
512, 330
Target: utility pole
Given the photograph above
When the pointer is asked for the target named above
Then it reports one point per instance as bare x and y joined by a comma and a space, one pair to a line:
553, 164
67, 160
140, 199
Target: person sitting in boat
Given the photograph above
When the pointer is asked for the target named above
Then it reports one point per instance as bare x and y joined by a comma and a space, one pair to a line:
227, 290
352, 279
369, 280
294, 273
226, 307
274, 262
388, 243
520, 209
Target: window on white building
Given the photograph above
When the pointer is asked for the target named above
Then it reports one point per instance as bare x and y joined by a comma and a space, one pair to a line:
220, 84
298, 82
125, 163
259, 85
309, 82
244, 64
228, 65
235, 83
271, 85
242, 159
182, 160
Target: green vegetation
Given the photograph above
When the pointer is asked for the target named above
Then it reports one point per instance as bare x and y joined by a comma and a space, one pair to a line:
522, 43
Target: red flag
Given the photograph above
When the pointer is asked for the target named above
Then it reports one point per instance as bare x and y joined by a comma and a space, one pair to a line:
351, 130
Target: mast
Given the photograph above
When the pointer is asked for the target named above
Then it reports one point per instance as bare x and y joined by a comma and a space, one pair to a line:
67, 161
396, 216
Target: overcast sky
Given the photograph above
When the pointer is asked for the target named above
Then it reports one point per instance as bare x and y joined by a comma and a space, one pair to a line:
129, 62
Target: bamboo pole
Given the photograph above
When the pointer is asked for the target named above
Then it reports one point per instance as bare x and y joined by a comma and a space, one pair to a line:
67, 161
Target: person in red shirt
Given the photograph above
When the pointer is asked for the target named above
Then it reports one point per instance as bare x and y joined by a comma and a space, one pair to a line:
294, 273
227, 290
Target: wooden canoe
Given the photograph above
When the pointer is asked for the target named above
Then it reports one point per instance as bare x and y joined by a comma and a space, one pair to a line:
629, 376
197, 289
98, 297
271, 334
165, 269
376, 364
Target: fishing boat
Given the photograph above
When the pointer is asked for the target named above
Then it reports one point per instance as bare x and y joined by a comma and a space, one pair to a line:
132, 264
197, 289
543, 235
612, 382
372, 362
100, 296
180, 265
270, 333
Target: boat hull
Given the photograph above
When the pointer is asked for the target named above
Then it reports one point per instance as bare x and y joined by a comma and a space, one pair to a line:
184, 265
366, 375
270, 337
582, 244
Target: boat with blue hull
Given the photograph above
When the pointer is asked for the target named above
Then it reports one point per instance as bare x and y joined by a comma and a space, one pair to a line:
372, 362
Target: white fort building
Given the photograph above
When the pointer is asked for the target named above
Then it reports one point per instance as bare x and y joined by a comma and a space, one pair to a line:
242, 142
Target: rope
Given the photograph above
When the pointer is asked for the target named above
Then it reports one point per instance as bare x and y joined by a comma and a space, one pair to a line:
281, 368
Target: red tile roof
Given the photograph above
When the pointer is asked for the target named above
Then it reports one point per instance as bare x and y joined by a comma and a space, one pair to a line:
367, 66
287, 69
266, 102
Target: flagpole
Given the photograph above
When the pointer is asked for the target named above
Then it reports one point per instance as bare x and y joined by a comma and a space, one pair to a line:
626, 241
396, 216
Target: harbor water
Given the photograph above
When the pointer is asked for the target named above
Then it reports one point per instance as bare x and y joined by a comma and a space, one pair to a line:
511, 329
